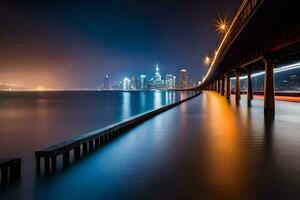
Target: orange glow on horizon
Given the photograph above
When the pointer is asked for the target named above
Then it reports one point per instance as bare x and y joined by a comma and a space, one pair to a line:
40, 88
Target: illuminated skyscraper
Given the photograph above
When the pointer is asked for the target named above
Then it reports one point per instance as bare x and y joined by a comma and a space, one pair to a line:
106, 82
143, 77
183, 79
157, 74
158, 83
169, 81
126, 83
133, 85
174, 82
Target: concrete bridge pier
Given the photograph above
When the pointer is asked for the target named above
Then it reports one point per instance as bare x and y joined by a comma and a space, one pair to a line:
249, 88
216, 86
237, 87
219, 86
223, 86
269, 103
227, 87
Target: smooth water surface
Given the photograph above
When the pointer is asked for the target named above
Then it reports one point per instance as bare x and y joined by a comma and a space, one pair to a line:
31, 121
205, 148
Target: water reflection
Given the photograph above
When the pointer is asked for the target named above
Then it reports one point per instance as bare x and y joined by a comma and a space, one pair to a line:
183, 95
225, 153
33, 121
143, 100
157, 99
126, 105
205, 148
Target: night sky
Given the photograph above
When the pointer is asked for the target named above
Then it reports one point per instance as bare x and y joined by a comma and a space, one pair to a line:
71, 44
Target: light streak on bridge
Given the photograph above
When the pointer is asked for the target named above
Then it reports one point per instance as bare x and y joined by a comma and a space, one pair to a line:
276, 70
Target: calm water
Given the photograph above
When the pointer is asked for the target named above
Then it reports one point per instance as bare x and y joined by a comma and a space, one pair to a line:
30, 121
205, 148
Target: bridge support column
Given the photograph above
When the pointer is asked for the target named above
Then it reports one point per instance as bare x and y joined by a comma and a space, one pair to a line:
237, 87
227, 87
223, 86
219, 86
215, 87
269, 94
249, 88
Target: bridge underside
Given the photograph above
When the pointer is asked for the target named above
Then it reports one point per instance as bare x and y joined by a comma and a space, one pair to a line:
270, 37
273, 31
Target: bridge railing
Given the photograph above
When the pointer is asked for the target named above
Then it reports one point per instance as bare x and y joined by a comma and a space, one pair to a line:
244, 13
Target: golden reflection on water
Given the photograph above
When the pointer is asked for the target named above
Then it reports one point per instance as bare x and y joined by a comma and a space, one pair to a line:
225, 154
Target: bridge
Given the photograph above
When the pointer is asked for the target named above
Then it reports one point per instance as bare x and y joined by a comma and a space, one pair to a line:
262, 35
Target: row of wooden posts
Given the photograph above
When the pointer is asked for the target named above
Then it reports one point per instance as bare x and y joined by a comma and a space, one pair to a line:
78, 151
80, 146
77, 147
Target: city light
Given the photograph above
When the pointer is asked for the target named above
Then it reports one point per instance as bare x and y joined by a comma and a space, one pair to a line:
207, 60
126, 84
157, 82
222, 25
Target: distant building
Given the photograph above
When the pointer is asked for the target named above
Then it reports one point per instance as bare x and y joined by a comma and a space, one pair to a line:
168, 82
133, 85
118, 86
143, 82
158, 82
106, 83
157, 74
126, 84
183, 79
192, 84
174, 82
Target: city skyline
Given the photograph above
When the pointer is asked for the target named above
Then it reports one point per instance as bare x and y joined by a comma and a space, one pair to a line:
288, 78
148, 82
67, 45
149, 99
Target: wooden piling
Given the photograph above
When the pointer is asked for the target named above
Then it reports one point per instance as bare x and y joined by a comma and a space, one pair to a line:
53, 163
91, 145
47, 164
66, 158
4, 175
84, 148
97, 142
77, 152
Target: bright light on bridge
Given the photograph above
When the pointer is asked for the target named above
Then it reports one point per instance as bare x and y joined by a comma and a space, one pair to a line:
207, 60
222, 25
